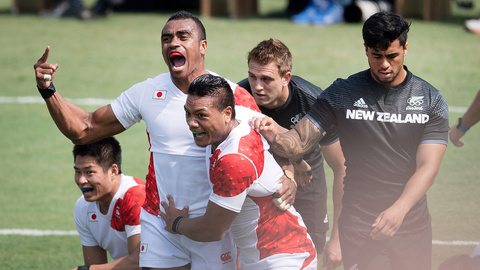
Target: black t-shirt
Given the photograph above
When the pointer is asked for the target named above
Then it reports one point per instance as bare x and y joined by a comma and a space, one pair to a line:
380, 130
302, 97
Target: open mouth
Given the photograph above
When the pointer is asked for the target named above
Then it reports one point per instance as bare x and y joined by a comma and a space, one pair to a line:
177, 60
86, 190
198, 134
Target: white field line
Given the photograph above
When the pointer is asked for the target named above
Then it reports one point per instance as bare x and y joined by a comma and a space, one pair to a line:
30, 232
100, 101
38, 100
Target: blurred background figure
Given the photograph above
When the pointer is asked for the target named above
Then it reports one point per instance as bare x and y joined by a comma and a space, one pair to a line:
321, 12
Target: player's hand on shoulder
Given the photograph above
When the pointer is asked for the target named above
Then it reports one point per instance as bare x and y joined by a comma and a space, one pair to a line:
266, 126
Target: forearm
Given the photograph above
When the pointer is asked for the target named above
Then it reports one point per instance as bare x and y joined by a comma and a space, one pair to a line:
201, 230
69, 118
429, 158
125, 263
297, 141
472, 115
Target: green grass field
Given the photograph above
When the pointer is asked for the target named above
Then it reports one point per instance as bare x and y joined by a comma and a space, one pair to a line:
102, 58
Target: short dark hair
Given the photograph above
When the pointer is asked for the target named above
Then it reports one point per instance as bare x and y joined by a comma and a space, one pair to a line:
214, 86
184, 15
383, 28
272, 50
106, 152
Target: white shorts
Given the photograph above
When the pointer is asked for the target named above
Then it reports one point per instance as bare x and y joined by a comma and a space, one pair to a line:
282, 262
161, 249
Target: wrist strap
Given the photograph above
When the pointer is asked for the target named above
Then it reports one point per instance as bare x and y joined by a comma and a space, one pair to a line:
48, 92
459, 126
83, 267
175, 224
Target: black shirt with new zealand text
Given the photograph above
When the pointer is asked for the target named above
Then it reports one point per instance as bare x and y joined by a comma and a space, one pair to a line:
380, 130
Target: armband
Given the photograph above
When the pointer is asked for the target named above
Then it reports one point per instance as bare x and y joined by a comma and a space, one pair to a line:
48, 92
83, 267
175, 224
459, 126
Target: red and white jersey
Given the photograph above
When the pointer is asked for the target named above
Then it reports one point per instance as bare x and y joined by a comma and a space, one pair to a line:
244, 176
111, 231
176, 162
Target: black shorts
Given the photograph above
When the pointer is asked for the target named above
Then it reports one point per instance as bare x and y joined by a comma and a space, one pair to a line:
401, 252
311, 203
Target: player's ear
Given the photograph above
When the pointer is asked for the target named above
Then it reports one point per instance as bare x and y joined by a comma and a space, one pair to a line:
115, 170
227, 112
286, 78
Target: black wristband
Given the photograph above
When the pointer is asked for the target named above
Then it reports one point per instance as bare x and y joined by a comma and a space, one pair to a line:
175, 224
83, 267
46, 93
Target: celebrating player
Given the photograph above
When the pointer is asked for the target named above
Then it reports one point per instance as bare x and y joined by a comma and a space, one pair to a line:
244, 176
107, 215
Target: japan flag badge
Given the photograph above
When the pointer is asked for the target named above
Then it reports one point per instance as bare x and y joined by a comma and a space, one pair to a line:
159, 94
92, 217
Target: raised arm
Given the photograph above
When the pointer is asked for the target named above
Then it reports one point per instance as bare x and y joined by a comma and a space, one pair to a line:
75, 123
292, 144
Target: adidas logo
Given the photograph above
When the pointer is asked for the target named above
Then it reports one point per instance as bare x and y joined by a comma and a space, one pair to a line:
360, 103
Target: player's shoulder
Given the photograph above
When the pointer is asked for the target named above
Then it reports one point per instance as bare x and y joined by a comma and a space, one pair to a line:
305, 86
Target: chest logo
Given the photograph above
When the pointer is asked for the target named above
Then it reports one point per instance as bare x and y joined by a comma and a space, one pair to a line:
360, 103
92, 217
415, 103
159, 94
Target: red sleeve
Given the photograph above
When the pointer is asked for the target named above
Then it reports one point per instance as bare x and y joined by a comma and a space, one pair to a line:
232, 174
243, 98
132, 205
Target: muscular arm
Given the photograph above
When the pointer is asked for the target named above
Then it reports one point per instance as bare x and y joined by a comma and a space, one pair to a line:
429, 157
212, 226
80, 126
332, 256
96, 256
292, 144
75, 123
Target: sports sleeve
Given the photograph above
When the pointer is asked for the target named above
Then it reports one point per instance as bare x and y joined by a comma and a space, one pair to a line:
80, 215
245, 99
231, 176
126, 107
132, 205
436, 129
322, 115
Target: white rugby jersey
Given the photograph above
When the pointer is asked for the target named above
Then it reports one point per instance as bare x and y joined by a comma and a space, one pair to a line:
111, 231
176, 162
244, 176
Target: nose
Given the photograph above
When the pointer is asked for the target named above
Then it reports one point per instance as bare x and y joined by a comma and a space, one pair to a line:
80, 179
384, 63
191, 122
256, 84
